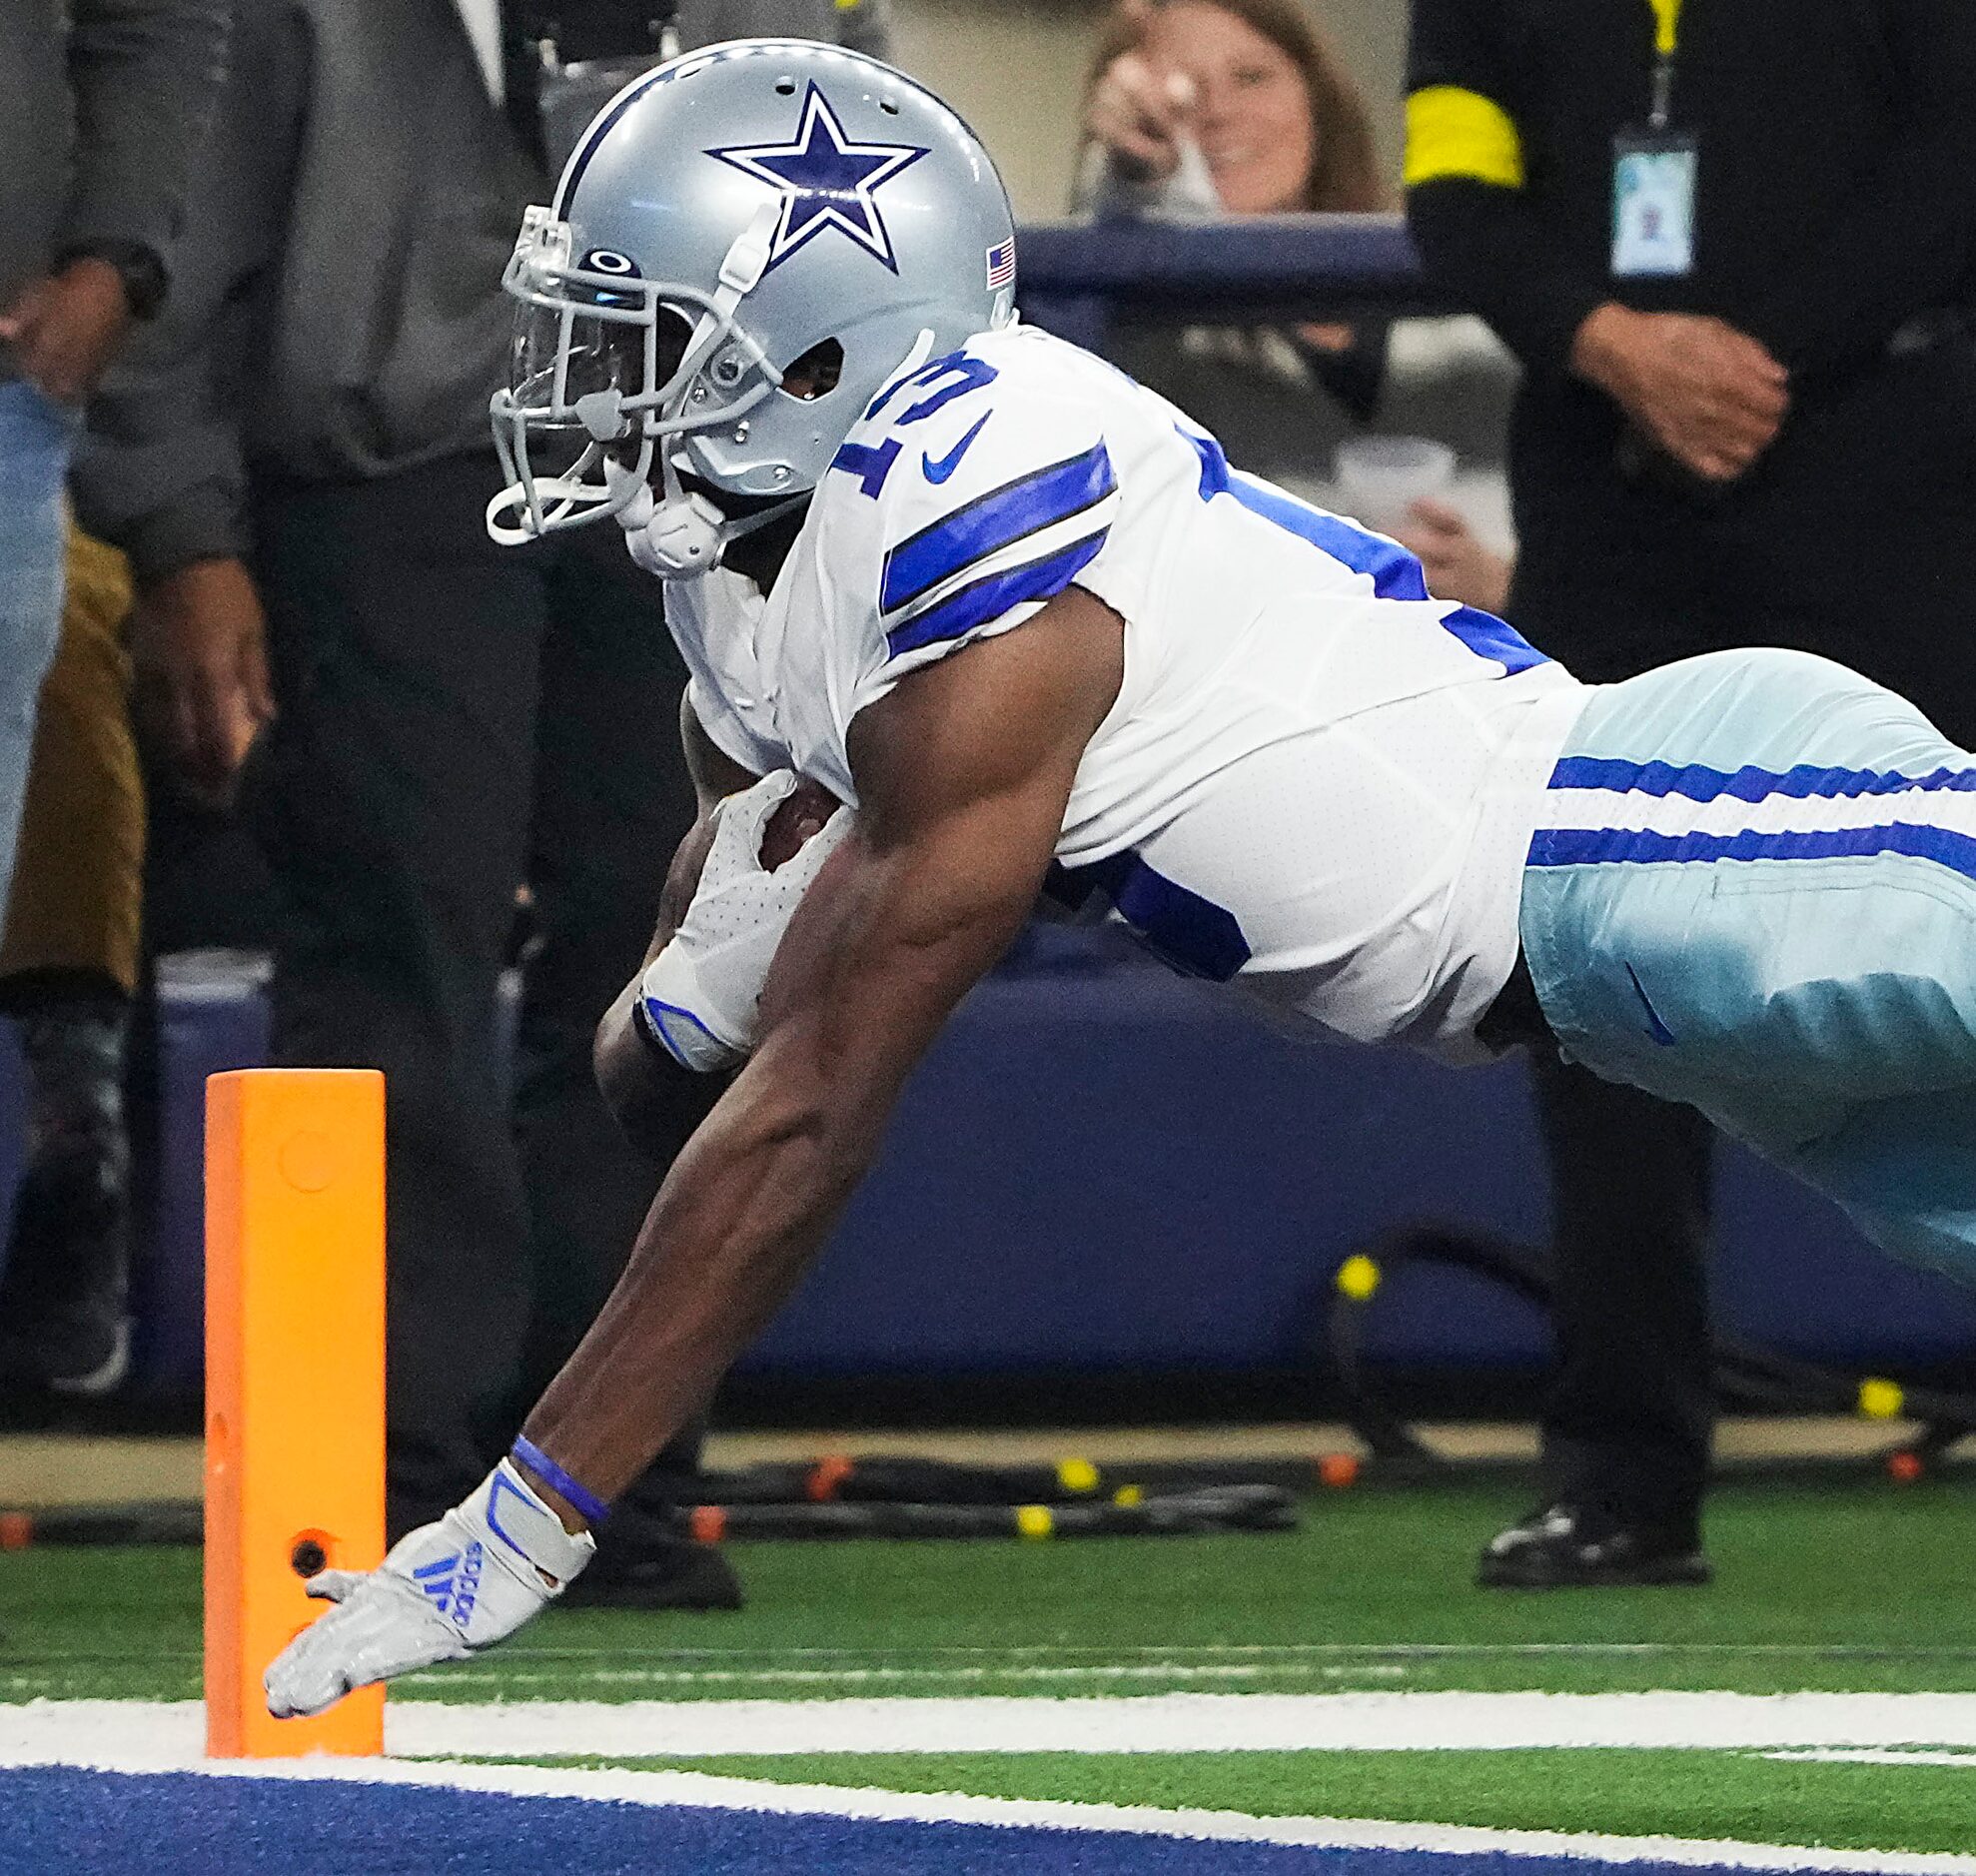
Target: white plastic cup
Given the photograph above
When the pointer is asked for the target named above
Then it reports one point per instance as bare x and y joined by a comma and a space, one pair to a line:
1381, 477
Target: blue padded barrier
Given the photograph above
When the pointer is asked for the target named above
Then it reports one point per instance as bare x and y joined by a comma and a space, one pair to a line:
1102, 1167
1133, 1171
212, 1016
1074, 277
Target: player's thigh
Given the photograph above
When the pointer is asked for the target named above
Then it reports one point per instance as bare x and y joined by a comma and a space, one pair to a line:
1762, 709
1799, 931
1851, 978
1823, 1013
1905, 1171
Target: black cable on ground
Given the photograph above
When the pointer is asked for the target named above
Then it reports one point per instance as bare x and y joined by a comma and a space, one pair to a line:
1744, 1373
1126, 1511
1169, 1514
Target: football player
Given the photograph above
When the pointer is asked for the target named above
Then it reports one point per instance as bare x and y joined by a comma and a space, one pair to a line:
1025, 621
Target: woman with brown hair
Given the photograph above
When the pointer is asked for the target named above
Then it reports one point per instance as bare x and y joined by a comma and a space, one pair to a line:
1208, 108
1233, 107
1252, 86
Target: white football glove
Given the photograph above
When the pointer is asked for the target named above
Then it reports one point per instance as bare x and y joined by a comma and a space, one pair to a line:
702, 996
445, 1591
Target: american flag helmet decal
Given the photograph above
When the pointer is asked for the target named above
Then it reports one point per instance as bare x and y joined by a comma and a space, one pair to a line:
1001, 264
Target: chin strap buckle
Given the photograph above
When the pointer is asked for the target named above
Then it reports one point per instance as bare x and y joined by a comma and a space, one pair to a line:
747, 258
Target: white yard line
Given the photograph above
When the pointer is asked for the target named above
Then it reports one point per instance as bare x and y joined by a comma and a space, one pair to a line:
1183, 1722
694, 1790
80, 1731
1289, 1650
861, 1676
1878, 1756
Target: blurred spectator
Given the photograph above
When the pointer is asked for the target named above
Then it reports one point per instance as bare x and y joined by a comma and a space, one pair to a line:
1205, 108
1458, 564
309, 442
106, 100
1731, 245
68, 969
1233, 107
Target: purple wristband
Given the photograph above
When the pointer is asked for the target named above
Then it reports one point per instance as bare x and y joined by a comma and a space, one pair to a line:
592, 1508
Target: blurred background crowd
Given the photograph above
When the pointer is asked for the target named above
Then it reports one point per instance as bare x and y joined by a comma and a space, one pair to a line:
275, 714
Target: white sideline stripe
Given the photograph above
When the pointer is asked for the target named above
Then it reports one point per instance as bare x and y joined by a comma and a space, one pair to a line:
700, 1792
1290, 1650
1182, 1722
838, 1676
75, 1731
1875, 1755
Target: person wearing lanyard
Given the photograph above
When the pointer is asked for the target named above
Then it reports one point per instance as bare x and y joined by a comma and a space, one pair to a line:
1731, 245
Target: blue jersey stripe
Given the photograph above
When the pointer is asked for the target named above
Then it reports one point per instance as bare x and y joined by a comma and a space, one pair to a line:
989, 598
993, 522
1394, 573
1697, 782
1490, 637
1176, 924
1591, 847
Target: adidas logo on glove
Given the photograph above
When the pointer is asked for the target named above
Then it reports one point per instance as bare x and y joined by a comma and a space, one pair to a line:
454, 1584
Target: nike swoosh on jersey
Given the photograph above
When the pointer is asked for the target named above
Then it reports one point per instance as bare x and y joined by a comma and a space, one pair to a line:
938, 468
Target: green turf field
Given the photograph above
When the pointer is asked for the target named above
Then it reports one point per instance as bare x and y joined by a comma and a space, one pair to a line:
1856, 1586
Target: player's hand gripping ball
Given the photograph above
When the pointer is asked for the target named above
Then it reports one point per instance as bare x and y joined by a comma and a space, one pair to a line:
796, 820
700, 997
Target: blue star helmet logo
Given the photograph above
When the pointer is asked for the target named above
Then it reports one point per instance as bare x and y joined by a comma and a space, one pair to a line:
826, 180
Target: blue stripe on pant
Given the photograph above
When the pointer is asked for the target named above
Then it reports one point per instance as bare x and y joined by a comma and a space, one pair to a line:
1815, 996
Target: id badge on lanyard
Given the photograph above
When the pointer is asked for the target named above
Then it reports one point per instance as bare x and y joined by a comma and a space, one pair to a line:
1653, 176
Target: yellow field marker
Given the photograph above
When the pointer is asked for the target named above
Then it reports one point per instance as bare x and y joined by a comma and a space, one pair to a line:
1357, 1278
1077, 1476
294, 1384
1881, 1400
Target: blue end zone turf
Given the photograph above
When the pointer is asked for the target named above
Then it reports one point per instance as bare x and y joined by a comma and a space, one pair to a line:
186, 1824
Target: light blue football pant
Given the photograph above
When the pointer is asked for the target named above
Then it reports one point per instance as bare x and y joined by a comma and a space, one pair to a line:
1753, 889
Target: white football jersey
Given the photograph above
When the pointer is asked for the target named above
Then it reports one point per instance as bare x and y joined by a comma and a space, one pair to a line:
1316, 779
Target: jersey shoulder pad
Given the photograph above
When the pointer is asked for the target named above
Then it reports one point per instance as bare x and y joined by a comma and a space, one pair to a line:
986, 487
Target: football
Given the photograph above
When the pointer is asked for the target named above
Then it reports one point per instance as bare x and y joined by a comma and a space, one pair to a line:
795, 820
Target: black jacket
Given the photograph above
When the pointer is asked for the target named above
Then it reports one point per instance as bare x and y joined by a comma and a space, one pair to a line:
338, 313
1837, 175
101, 103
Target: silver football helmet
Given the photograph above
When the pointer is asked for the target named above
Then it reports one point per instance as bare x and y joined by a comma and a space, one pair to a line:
745, 246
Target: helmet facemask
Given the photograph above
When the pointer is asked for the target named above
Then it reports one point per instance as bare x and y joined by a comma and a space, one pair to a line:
607, 367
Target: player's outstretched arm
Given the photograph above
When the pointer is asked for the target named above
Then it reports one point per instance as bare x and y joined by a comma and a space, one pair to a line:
963, 774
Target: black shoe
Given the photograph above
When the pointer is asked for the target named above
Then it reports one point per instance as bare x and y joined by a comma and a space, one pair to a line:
641, 1563
64, 1322
1563, 1546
